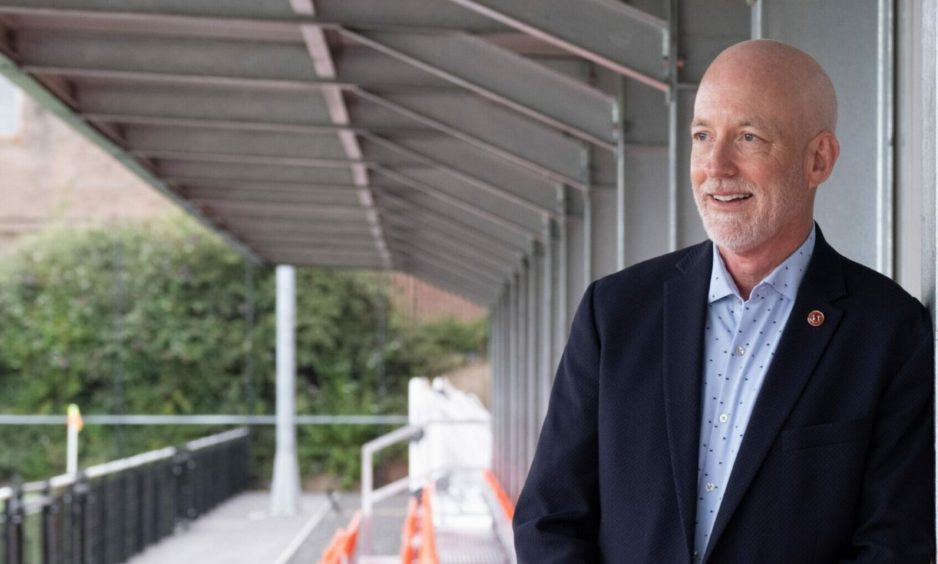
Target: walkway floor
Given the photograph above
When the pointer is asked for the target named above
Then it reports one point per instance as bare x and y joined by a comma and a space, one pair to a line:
241, 531
238, 531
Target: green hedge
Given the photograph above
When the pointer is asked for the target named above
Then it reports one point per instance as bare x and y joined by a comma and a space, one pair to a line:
151, 319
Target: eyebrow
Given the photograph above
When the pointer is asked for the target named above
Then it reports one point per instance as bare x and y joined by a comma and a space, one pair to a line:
746, 122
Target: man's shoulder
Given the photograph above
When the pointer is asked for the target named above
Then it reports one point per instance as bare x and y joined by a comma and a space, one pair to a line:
870, 287
655, 271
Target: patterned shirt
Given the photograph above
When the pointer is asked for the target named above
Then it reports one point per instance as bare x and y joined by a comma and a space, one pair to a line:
739, 343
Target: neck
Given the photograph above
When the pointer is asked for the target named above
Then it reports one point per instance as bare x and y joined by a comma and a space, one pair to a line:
750, 267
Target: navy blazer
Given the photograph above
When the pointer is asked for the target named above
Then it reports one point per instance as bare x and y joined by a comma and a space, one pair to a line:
837, 464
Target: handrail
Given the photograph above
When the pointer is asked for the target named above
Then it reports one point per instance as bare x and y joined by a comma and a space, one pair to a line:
175, 486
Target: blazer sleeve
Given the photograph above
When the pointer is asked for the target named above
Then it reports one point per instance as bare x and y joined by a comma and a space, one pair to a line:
896, 519
557, 515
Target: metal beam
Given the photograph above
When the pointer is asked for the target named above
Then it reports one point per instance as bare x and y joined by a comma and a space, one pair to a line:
246, 159
499, 192
610, 33
434, 247
15, 74
497, 144
457, 279
449, 237
321, 55
400, 15
483, 274
502, 77
424, 217
468, 207
446, 282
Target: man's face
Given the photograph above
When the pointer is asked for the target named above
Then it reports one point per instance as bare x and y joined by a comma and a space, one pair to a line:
747, 164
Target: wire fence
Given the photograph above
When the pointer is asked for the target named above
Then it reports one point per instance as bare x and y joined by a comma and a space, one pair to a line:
110, 512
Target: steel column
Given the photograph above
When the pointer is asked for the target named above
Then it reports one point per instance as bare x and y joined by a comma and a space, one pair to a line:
285, 489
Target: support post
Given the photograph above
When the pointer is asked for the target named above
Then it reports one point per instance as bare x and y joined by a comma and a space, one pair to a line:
619, 127
285, 490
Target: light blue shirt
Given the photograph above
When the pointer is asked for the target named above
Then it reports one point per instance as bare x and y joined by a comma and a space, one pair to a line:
739, 342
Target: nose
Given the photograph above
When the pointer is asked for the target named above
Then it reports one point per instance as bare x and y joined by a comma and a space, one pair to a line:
719, 161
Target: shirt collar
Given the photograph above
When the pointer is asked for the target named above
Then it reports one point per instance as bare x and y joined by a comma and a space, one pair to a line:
785, 279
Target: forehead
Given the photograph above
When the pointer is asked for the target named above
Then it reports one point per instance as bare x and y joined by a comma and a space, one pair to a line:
742, 104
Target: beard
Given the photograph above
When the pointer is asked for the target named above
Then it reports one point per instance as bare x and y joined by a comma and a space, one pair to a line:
740, 231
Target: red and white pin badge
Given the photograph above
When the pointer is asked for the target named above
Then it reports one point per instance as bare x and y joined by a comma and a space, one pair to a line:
815, 318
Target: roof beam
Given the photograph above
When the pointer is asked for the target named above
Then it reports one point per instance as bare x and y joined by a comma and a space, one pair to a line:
448, 282
56, 106
318, 48
457, 275
505, 78
399, 15
490, 134
447, 238
410, 212
464, 253
501, 193
610, 33
466, 206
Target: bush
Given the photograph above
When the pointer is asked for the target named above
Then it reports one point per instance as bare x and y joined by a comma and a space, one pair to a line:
151, 319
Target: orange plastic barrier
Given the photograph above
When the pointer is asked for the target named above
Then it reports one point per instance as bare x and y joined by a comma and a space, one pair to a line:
503, 498
342, 546
427, 553
408, 532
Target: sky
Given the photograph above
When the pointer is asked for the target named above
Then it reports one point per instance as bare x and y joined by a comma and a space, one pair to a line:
10, 107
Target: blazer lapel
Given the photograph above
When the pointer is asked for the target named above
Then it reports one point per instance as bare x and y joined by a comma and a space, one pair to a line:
798, 352
685, 304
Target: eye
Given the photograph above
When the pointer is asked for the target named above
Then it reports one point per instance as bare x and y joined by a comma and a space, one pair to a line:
749, 137
699, 136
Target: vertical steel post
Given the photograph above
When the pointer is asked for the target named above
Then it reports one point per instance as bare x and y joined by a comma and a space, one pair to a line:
561, 301
530, 389
547, 321
587, 164
618, 112
285, 490
673, 132
885, 186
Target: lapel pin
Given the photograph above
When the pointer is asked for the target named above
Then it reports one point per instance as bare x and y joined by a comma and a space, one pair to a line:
815, 318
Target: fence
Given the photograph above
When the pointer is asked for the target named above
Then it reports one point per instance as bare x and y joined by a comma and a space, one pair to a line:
107, 513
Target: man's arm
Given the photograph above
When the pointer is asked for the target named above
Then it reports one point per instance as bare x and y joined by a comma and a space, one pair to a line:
557, 516
896, 521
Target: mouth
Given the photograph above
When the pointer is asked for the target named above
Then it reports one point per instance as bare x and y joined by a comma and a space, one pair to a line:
730, 198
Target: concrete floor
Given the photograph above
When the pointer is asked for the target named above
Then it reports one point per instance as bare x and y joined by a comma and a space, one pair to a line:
240, 531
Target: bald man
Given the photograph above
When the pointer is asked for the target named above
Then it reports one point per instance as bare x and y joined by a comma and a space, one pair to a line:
756, 398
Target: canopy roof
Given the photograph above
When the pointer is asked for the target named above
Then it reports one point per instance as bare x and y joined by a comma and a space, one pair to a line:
427, 136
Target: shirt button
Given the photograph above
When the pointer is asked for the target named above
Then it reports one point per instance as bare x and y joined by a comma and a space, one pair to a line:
710, 486
740, 351
724, 418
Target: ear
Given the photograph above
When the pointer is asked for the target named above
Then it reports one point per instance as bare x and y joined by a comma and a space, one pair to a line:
823, 151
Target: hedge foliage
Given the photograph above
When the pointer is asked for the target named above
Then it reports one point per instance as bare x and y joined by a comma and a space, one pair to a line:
151, 319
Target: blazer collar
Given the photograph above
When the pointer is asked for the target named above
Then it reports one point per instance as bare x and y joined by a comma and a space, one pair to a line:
798, 352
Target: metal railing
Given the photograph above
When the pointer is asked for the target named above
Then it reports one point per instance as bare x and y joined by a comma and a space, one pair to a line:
109, 512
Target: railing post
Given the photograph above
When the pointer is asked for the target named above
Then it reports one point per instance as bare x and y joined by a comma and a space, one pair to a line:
14, 517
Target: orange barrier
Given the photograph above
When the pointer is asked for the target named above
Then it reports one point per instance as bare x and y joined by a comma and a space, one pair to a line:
427, 553
408, 532
503, 498
342, 546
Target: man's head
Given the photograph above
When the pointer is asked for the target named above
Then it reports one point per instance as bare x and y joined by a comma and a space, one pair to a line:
763, 140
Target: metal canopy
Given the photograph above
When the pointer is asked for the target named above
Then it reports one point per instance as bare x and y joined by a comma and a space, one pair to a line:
426, 136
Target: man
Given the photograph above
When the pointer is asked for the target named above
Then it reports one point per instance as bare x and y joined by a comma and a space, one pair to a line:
754, 399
